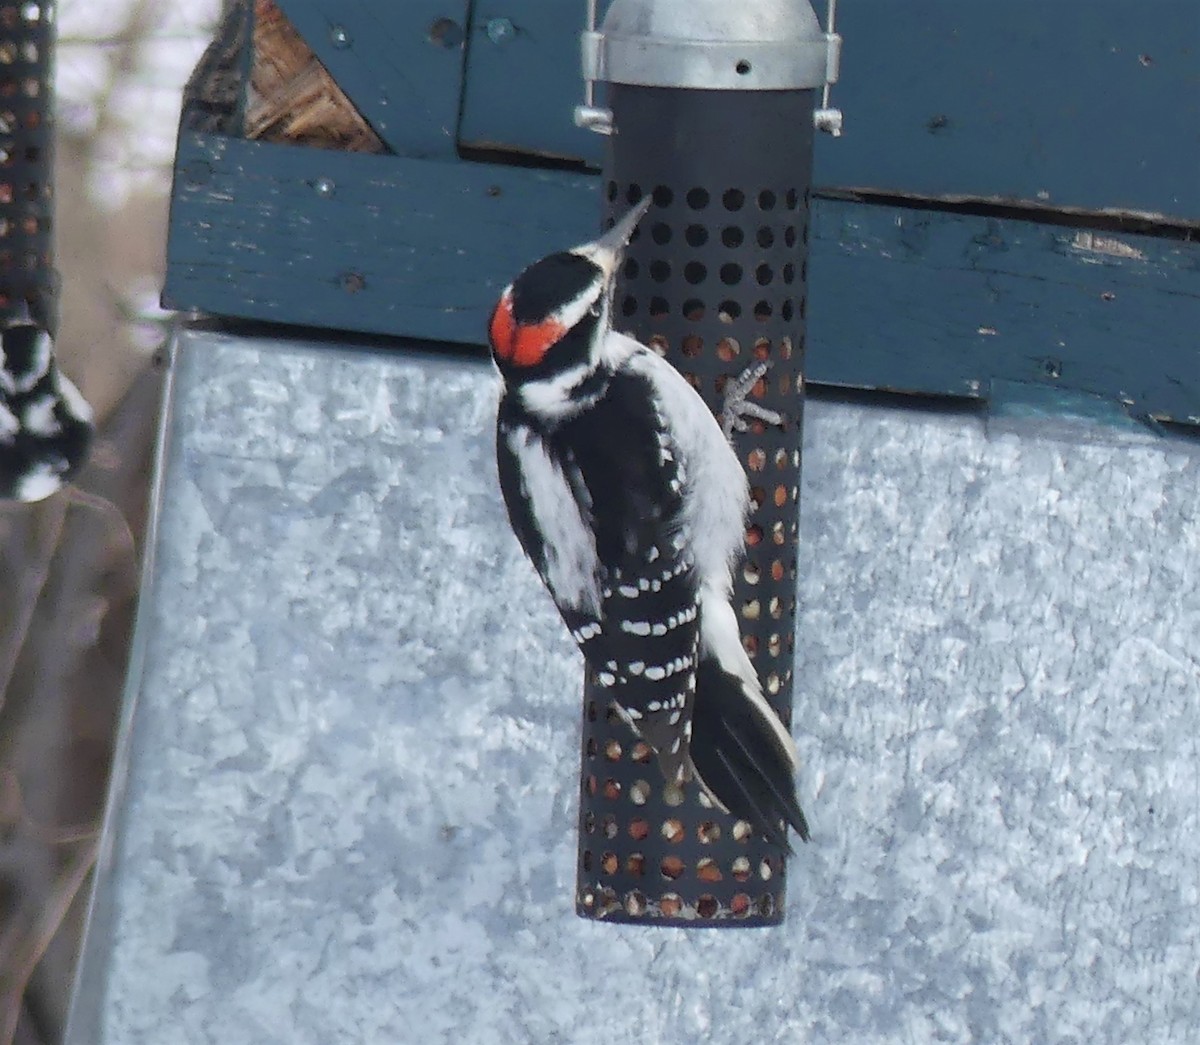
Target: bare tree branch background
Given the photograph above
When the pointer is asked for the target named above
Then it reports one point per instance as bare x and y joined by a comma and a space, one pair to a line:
69, 565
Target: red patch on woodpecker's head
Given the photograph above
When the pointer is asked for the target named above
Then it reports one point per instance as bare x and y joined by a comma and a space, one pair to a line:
521, 344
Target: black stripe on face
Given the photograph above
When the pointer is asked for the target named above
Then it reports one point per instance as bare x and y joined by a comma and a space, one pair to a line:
547, 285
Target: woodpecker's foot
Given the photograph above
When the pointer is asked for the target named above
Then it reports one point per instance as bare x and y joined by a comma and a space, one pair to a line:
739, 411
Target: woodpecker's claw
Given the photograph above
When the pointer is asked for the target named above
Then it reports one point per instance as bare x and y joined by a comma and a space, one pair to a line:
739, 411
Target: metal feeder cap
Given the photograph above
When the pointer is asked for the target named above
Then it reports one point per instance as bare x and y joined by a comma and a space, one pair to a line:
748, 45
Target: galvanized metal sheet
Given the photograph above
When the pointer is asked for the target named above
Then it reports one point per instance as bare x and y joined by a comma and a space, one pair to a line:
345, 808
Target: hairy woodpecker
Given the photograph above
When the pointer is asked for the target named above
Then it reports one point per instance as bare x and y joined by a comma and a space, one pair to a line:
627, 497
45, 424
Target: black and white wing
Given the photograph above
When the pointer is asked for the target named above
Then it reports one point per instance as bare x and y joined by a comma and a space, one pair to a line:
45, 424
549, 508
617, 563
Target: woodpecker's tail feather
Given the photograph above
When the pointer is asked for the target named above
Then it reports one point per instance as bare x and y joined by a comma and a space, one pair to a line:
738, 757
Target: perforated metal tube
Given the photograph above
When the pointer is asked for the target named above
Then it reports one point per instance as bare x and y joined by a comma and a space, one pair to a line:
715, 279
26, 158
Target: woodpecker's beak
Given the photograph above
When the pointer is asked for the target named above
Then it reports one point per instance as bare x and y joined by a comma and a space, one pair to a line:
606, 251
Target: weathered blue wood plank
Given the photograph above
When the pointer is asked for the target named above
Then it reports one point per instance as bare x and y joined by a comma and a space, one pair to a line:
953, 304
401, 64
523, 80
1067, 103
918, 301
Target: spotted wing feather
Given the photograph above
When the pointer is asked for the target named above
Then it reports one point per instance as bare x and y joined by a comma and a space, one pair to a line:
45, 424
645, 652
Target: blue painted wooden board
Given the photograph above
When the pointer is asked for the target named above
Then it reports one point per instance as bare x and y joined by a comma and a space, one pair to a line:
401, 64
1066, 103
916, 301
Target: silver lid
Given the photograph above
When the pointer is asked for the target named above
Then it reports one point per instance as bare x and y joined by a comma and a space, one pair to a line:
748, 45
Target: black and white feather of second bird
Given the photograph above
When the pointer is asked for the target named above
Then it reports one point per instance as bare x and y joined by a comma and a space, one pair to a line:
630, 502
45, 424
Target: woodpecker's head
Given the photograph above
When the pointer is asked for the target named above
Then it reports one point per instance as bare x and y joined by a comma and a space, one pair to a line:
551, 319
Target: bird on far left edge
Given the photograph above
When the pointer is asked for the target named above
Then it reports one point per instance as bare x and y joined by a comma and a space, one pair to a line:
45, 423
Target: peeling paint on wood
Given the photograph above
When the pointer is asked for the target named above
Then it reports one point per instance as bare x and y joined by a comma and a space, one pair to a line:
928, 302
1021, 100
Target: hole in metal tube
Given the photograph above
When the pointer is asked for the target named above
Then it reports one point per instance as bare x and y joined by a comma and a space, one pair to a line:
696, 235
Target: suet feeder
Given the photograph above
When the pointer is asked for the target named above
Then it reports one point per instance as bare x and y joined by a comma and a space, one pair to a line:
711, 114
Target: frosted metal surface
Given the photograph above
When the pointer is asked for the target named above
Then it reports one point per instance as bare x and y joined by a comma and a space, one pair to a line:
349, 808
